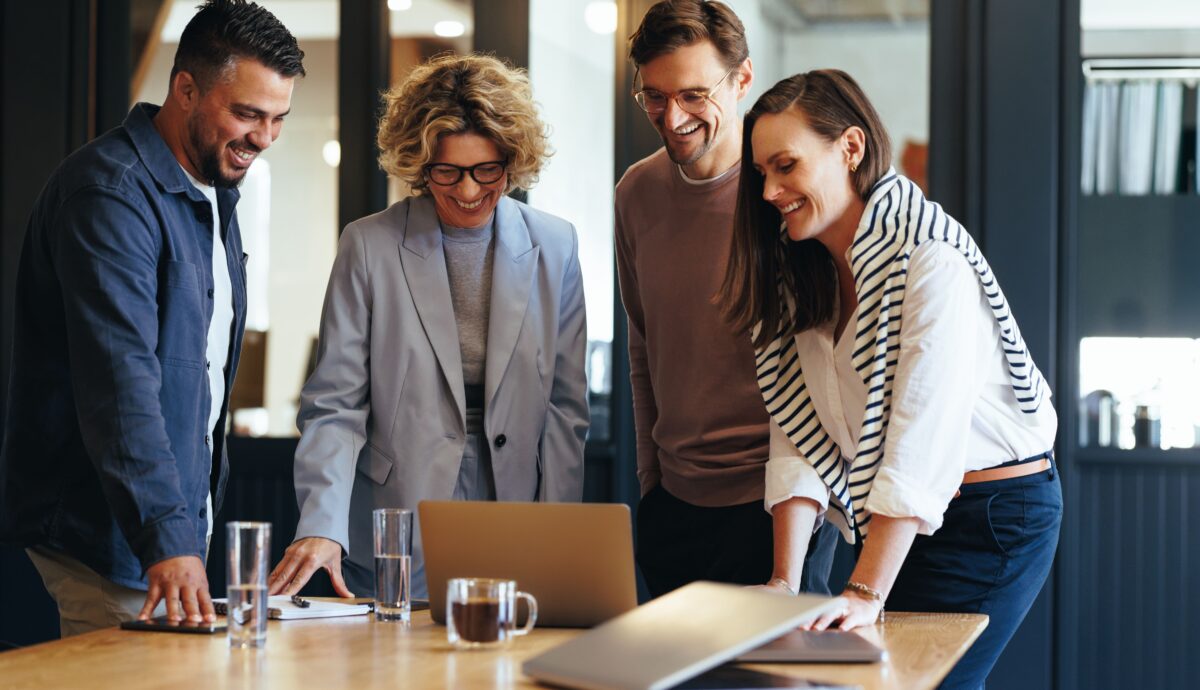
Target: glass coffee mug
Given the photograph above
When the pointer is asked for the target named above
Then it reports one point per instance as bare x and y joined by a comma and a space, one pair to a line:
482, 613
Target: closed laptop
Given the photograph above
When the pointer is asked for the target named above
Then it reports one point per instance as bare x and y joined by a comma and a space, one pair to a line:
675, 637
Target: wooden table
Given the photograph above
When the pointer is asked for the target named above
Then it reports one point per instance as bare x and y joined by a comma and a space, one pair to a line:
357, 652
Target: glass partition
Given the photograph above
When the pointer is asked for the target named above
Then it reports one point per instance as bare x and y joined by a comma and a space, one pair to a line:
572, 68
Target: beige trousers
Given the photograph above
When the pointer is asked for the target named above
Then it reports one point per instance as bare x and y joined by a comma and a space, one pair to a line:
86, 601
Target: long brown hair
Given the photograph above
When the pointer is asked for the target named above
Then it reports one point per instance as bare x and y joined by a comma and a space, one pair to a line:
831, 102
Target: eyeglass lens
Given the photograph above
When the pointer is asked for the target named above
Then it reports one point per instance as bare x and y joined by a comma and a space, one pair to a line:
448, 174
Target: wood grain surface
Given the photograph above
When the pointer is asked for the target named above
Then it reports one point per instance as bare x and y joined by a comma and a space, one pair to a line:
358, 652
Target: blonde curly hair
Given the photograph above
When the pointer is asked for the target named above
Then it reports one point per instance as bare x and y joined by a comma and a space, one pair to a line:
451, 94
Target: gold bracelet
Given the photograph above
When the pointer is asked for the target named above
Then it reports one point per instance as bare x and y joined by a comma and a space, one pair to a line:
871, 594
786, 585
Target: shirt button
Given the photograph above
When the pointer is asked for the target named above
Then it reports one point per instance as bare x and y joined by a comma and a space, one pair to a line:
501, 440
210, 293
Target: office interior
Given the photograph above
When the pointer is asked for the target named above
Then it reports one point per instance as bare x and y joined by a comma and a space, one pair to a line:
1062, 133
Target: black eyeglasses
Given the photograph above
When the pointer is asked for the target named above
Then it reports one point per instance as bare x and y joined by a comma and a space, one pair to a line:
693, 101
448, 174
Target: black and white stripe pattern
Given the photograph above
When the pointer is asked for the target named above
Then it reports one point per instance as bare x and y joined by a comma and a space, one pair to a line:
899, 219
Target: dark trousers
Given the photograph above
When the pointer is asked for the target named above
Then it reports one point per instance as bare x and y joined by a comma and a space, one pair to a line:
991, 555
678, 543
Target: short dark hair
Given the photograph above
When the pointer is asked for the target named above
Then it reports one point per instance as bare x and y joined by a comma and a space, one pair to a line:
673, 24
831, 102
224, 31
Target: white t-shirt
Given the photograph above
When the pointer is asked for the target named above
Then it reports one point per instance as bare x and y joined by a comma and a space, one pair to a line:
219, 328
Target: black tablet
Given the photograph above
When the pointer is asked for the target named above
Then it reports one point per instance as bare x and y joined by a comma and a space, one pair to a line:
163, 624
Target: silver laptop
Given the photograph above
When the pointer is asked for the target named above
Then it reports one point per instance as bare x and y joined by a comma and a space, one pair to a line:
675, 637
816, 647
576, 559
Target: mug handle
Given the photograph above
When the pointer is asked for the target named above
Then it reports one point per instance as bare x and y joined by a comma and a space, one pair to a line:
533, 611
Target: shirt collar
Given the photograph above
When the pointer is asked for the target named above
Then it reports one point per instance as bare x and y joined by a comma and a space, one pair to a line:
159, 159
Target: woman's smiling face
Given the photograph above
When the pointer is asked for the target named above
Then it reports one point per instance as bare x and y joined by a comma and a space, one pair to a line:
805, 176
466, 204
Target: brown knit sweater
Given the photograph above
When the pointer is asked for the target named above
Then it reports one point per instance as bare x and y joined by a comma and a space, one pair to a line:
701, 422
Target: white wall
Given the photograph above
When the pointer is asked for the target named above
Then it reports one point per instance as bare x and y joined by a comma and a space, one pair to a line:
890, 63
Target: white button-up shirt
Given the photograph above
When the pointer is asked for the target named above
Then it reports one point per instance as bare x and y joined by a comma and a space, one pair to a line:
953, 406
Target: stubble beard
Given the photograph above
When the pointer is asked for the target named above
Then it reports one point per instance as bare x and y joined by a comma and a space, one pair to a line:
210, 158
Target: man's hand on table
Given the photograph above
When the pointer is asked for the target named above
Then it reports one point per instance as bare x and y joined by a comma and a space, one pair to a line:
301, 560
182, 582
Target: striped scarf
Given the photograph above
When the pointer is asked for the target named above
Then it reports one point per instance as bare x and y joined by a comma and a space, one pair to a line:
897, 219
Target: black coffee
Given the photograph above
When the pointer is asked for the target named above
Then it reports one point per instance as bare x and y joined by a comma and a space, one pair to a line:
477, 620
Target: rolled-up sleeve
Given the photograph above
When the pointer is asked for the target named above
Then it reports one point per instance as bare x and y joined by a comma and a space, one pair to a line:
935, 390
790, 475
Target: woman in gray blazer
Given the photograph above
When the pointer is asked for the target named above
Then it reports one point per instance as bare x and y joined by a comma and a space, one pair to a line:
451, 356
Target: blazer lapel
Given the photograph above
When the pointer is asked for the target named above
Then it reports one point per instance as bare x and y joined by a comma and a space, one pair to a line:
513, 270
429, 284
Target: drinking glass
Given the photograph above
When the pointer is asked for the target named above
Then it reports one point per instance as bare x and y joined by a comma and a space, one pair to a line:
248, 553
393, 564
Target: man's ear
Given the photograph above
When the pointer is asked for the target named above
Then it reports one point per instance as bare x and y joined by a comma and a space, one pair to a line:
745, 78
185, 91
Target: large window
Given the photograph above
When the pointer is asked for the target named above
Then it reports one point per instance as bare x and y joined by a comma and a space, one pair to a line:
572, 68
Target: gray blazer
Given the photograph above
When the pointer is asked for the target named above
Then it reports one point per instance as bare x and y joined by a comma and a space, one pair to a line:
382, 417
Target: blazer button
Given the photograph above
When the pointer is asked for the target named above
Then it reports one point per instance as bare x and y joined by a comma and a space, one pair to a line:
210, 293
207, 365
501, 440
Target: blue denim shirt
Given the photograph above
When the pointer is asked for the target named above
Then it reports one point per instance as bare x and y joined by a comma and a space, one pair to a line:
106, 455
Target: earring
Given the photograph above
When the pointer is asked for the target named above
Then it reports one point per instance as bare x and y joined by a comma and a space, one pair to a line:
853, 167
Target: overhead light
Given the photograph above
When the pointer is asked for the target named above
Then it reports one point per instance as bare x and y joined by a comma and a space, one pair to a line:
399, 5
332, 153
601, 16
449, 29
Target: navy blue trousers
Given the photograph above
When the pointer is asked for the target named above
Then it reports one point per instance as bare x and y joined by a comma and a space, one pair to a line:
678, 543
992, 555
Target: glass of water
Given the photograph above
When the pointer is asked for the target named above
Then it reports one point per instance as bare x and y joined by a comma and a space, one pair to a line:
248, 554
393, 564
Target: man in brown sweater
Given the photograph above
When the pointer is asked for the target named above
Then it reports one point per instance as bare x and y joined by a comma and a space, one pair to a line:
702, 432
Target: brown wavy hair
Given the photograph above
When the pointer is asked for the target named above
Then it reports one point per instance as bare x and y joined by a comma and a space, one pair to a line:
831, 102
673, 24
452, 94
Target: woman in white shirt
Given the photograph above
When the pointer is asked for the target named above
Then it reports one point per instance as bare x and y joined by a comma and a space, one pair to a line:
905, 406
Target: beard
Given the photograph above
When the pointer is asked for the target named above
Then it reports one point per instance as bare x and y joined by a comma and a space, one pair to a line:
681, 157
209, 155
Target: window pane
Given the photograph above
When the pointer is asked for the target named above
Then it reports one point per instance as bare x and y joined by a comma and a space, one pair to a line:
573, 71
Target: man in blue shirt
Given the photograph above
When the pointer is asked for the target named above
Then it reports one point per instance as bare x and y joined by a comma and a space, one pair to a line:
130, 309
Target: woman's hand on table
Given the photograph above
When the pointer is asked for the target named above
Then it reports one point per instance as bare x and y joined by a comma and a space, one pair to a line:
858, 612
303, 558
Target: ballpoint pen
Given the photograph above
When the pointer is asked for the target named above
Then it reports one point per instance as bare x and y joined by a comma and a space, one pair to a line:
302, 603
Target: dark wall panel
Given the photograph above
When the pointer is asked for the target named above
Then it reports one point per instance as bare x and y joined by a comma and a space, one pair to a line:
1139, 571
45, 117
